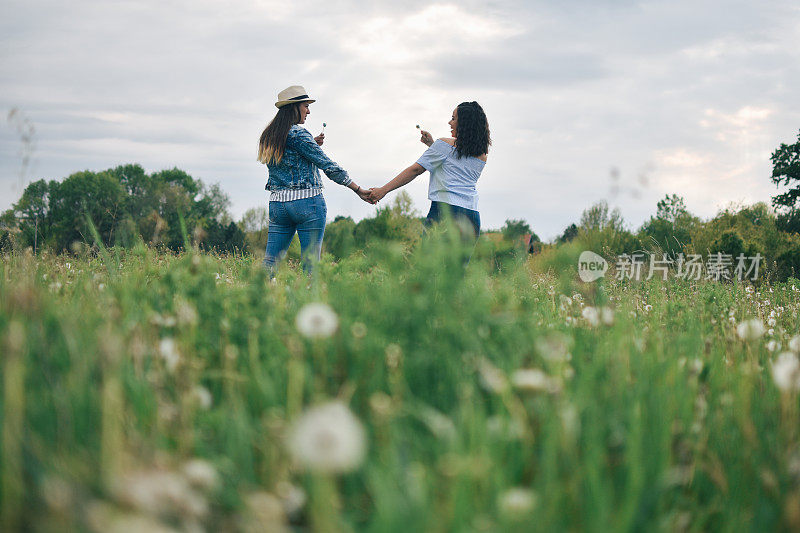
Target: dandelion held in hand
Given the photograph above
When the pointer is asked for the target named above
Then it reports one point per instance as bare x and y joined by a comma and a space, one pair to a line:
328, 439
317, 320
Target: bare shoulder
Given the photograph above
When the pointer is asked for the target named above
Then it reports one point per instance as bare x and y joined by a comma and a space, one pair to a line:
448, 140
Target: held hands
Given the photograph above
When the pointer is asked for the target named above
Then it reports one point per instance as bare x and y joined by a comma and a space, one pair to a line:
364, 194
320, 139
376, 194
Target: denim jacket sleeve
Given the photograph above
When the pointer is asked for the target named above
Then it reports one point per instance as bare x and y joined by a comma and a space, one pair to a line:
308, 148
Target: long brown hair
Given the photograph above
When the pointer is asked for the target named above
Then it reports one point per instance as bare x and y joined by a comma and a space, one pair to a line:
273, 139
472, 130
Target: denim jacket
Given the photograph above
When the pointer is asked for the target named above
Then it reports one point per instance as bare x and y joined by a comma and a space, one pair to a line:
298, 166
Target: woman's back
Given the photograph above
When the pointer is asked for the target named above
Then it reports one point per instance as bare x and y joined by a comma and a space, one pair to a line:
453, 178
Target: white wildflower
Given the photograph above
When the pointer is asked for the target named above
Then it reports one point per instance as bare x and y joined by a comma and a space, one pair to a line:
202, 397
750, 330
159, 492
794, 344
264, 512
201, 474
186, 313
773, 345
786, 372
648, 308
533, 380
554, 347
317, 320
292, 497
328, 438
517, 502
607, 315
591, 316
771, 322
169, 352
359, 330
565, 301
492, 378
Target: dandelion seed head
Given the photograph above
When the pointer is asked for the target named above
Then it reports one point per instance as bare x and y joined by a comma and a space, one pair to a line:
328, 438
359, 330
750, 330
591, 316
517, 502
394, 355
554, 346
491, 378
317, 320
773, 345
607, 315
533, 380
786, 372
201, 474
168, 350
264, 512
202, 397
794, 344
292, 497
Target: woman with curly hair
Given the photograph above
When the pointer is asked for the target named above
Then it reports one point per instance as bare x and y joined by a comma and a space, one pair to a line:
455, 164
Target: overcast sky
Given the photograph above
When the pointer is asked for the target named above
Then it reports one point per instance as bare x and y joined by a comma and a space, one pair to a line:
678, 96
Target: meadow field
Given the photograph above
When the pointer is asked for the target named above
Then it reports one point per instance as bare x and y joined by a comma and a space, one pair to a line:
395, 390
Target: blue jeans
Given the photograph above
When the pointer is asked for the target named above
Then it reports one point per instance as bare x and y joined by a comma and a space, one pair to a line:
307, 218
440, 209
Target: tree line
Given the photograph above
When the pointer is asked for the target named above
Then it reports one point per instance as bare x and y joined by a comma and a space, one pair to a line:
169, 208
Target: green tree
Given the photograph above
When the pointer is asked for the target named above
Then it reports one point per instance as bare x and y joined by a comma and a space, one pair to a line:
255, 225
340, 237
786, 171
672, 227
98, 196
603, 231
512, 230
570, 232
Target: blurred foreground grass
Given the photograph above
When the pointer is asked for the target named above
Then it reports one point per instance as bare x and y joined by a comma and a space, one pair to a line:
152, 392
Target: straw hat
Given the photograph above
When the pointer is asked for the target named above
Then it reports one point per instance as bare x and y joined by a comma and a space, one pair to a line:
292, 95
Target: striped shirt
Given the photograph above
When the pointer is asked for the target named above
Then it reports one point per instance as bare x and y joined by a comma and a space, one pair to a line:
287, 195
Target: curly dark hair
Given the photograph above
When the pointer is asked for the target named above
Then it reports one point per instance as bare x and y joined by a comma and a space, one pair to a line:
472, 130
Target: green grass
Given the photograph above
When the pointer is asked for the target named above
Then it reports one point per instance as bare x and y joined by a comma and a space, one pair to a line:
664, 420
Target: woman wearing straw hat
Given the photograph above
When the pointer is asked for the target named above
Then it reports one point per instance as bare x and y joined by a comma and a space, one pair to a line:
455, 164
293, 158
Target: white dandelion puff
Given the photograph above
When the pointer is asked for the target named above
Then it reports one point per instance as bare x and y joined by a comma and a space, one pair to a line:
201, 474
591, 316
607, 316
517, 502
202, 397
317, 320
773, 345
794, 344
786, 372
169, 352
750, 330
328, 438
554, 347
492, 378
533, 380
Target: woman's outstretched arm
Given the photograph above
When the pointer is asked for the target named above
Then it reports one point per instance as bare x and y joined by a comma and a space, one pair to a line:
404, 178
